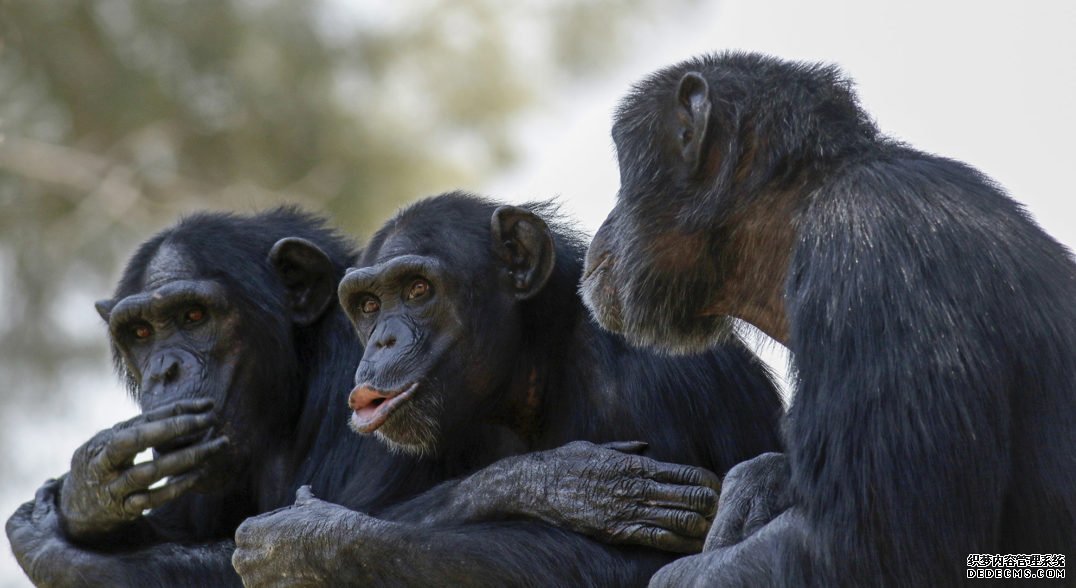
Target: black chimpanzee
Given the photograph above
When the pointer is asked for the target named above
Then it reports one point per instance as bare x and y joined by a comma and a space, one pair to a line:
227, 331
931, 322
471, 318
229, 354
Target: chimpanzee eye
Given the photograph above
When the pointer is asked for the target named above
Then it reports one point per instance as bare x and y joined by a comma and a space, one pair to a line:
418, 289
141, 331
193, 315
370, 305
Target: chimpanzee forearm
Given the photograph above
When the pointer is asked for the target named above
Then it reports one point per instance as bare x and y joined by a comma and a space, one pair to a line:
510, 553
604, 491
485, 495
50, 558
318, 543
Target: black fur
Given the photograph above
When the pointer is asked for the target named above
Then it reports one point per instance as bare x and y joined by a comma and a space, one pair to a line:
931, 322
711, 409
311, 363
296, 435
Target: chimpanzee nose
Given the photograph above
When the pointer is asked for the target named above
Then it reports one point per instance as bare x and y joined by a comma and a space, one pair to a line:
167, 367
389, 333
387, 341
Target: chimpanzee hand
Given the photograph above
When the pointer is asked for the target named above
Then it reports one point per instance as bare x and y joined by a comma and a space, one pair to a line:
39, 544
611, 493
105, 489
755, 492
50, 559
300, 545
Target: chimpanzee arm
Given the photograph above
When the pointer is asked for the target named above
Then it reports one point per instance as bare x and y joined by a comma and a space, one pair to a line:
315, 543
50, 558
604, 491
88, 527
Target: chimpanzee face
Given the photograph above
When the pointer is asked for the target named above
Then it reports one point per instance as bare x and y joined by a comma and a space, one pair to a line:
435, 308
177, 339
651, 271
403, 311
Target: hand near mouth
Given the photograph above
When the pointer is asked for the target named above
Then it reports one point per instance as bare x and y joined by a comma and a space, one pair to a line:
105, 489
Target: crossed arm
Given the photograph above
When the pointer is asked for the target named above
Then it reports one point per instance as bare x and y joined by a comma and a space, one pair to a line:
511, 524
88, 528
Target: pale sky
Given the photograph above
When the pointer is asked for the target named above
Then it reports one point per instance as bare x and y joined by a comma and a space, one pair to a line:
989, 83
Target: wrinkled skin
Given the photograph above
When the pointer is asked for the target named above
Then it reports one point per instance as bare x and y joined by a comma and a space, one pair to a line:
607, 492
299, 545
621, 498
753, 493
49, 559
105, 490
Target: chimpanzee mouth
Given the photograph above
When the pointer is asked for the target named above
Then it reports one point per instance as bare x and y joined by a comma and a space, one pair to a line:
372, 407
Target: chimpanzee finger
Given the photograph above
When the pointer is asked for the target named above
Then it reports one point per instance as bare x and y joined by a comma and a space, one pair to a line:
304, 495
700, 499
143, 475
128, 443
190, 406
176, 487
632, 447
659, 538
180, 407
682, 474
685, 523
45, 499
728, 527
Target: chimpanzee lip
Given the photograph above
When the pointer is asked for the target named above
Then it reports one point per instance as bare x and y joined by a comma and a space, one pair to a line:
372, 414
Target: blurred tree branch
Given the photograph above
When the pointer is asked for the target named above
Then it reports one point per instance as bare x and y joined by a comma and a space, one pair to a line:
118, 115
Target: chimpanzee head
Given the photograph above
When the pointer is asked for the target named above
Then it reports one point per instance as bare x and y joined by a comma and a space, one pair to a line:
441, 301
708, 149
214, 307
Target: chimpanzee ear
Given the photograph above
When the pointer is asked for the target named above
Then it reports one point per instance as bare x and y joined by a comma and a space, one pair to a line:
524, 243
308, 276
692, 117
104, 308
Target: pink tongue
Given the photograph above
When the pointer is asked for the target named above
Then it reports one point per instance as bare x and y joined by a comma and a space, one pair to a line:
365, 401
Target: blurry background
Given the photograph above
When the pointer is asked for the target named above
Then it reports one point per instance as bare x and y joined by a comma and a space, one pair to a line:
117, 116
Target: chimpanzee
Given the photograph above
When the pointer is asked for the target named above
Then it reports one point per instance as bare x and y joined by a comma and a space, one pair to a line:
931, 323
227, 331
471, 317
